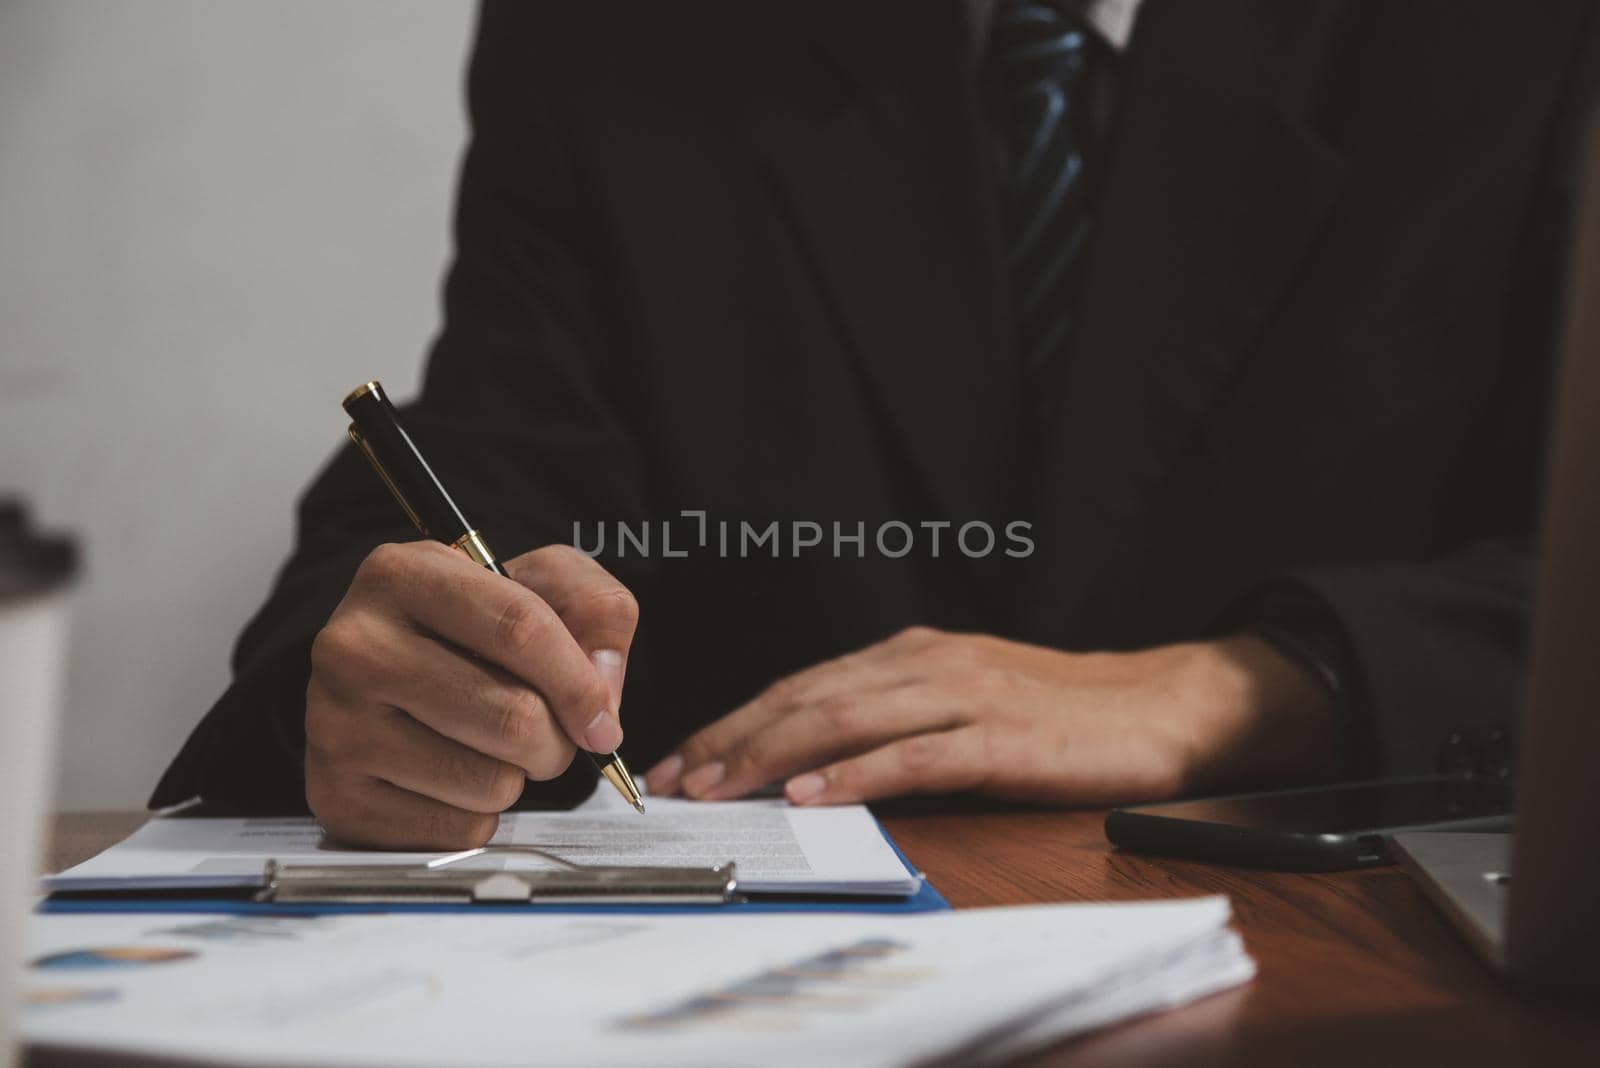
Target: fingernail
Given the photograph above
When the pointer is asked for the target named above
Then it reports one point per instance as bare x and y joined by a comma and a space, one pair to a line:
664, 776
803, 788
704, 777
603, 734
610, 664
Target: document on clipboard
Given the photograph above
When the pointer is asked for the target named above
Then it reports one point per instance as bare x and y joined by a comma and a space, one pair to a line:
775, 848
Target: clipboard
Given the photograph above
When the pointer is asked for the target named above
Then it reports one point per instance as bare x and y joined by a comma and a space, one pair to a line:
230, 902
450, 880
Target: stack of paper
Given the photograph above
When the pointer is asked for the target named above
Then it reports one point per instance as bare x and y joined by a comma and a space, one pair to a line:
625, 989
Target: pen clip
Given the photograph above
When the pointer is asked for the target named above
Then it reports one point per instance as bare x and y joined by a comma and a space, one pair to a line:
377, 465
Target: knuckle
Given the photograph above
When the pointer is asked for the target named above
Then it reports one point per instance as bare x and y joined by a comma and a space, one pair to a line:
437, 826
451, 828
523, 624
613, 605
592, 696
557, 555
388, 564
340, 644
998, 685
915, 636
472, 774
965, 655
755, 755
919, 753
517, 720
840, 715
325, 651
987, 647
607, 614
696, 749
506, 782
715, 742
785, 693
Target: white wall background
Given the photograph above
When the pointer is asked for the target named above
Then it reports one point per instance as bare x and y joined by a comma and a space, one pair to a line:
216, 216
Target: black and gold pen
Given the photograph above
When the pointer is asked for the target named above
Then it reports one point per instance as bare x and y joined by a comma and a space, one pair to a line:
375, 428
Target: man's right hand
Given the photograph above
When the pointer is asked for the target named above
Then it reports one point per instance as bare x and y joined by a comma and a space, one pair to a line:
438, 688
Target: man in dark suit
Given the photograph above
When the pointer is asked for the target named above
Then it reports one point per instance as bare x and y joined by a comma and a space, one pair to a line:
1226, 321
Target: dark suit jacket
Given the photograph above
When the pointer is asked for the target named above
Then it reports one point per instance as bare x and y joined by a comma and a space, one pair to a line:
747, 259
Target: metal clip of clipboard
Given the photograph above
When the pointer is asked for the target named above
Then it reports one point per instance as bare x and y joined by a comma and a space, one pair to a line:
442, 882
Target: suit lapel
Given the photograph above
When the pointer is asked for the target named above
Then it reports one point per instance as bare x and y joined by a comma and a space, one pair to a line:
876, 155
1215, 187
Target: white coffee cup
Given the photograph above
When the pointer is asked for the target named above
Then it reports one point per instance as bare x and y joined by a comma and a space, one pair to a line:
35, 574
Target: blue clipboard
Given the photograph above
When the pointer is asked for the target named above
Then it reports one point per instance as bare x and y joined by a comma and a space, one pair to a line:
926, 899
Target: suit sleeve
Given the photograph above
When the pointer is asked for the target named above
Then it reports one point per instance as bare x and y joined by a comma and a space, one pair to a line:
518, 415
1431, 654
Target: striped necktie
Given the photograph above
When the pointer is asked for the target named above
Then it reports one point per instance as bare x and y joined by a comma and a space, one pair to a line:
1038, 56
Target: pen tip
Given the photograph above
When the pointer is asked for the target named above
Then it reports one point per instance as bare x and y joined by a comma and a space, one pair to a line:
640, 806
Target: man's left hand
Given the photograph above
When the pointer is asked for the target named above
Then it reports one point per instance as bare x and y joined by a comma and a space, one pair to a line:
929, 711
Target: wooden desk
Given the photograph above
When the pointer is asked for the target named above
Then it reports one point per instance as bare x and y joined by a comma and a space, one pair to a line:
1355, 967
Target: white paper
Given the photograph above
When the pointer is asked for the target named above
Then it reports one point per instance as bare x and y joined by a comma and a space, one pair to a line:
626, 989
838, 850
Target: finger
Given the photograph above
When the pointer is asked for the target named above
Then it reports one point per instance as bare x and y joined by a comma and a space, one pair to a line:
420, 760
474, 703
824, 732
698, 765
940, 762
599, 611
373, 814
504, 622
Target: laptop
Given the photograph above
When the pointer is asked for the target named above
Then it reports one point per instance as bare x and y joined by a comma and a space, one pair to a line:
1529, 902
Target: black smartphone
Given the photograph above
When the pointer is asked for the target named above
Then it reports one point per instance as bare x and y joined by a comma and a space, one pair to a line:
1315, 828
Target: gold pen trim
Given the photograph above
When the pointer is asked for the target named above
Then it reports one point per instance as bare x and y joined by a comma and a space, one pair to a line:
394, 490
362, 390
476, 548
616, 772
